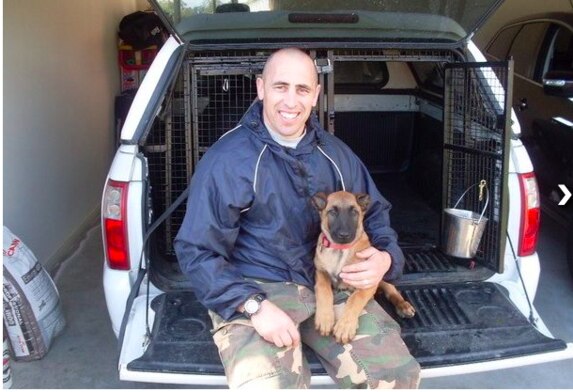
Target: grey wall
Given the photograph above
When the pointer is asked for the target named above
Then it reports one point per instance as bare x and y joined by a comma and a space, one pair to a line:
60, 79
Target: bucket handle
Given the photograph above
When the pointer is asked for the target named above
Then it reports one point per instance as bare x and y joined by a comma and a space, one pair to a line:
482, 184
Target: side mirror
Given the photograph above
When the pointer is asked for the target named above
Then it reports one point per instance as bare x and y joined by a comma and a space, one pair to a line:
558, 83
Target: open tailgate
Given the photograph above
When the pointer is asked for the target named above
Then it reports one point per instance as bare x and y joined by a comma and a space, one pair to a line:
458, 329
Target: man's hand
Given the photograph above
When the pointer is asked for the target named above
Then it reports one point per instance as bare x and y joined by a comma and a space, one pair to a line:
275, 326
368, 272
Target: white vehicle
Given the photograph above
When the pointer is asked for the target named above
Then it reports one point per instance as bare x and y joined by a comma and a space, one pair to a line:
406, 88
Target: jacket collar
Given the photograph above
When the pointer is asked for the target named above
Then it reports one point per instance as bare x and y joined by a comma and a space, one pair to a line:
253, 119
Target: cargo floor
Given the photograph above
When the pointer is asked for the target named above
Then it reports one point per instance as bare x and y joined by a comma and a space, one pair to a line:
416, 222
454, 324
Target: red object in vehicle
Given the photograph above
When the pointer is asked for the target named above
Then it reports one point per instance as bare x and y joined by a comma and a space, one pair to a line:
531, 214
115, 224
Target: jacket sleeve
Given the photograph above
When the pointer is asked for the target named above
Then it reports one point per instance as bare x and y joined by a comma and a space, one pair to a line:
207, 236
377, 219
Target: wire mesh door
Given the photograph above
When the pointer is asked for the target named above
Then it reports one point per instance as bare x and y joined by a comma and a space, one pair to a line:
220, 98
477, 104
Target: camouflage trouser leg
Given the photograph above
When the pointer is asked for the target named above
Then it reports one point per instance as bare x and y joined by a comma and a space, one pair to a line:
252, 362
376, 358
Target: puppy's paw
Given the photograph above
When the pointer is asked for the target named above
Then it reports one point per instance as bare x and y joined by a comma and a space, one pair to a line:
324, 321
345, 330
405, 309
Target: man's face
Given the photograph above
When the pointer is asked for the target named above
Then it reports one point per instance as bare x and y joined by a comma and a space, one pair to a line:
289, 90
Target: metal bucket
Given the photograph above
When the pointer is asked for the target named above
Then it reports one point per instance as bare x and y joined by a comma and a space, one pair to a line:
463, 229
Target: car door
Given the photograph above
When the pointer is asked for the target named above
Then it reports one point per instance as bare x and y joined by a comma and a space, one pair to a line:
539, 46
550, 48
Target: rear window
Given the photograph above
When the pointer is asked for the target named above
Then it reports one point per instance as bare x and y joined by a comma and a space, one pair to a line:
430, 75
526, 47
360, 76
560, 55
499, 47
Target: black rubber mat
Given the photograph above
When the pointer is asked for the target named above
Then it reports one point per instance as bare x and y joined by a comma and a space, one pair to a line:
454, 324
462, 323
181, 339
427, 260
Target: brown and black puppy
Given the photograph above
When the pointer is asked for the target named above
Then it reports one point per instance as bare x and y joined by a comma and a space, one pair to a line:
341, 215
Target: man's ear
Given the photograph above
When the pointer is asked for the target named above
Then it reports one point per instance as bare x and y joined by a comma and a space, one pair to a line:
363, 200
317, 93
319, 201
260, 88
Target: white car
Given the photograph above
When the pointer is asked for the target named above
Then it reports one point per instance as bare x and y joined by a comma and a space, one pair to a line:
407, 89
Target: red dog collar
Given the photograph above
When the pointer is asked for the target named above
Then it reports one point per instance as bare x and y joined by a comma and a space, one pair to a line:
328, 244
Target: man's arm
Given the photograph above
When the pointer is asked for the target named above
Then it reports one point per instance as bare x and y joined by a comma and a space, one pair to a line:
207, 237
203, 247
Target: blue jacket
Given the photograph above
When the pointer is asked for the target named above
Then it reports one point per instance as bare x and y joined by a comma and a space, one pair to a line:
249, 212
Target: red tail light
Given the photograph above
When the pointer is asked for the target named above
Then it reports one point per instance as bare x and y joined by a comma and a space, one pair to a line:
531, 214
114, 212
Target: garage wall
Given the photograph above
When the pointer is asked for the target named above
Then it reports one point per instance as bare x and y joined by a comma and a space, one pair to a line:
60, 79
515, 9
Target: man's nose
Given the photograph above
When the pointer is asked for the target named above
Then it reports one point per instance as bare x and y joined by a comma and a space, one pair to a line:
290, 97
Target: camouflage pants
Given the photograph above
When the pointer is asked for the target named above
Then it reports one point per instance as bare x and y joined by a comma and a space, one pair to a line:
376, 358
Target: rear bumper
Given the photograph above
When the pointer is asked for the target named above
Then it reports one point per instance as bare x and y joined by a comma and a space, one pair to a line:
473, 346
499, 364
442, 371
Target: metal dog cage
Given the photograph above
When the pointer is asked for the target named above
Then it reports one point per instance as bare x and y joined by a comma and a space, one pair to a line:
215, 89
209, 99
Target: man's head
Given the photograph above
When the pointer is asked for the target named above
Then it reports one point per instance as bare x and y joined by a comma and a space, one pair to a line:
289, 90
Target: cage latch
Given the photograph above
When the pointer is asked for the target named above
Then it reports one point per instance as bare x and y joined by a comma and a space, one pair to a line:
323, 65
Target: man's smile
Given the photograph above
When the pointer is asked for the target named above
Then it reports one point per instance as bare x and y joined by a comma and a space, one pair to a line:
289, 115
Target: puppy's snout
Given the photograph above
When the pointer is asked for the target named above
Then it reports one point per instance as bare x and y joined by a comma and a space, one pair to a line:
343, 237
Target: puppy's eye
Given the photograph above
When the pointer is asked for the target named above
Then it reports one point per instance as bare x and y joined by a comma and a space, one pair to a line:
353, 212
333, 212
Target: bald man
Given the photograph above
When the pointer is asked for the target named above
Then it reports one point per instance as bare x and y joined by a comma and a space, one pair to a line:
248, 237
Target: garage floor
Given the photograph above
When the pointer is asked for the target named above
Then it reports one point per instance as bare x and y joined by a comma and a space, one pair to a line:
85, 354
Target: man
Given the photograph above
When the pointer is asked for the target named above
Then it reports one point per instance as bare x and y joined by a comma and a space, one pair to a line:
248, 237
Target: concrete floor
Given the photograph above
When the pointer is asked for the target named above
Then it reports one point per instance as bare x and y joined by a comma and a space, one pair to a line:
85, 354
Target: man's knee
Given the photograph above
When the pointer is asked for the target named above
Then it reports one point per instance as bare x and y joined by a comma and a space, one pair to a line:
376, 371
404, 377
378, 360
284, 371
280, 379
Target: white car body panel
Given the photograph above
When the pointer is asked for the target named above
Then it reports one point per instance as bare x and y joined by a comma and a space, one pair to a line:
147, 88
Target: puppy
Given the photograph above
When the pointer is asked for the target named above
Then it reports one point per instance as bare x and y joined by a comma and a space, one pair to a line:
343, 235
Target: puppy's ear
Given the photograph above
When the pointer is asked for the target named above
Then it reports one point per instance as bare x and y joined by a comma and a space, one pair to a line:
319, 201
363, 200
